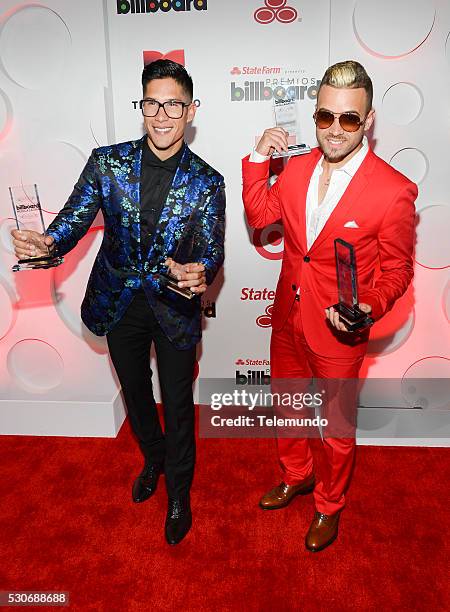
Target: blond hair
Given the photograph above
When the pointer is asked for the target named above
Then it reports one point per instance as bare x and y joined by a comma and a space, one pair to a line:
349, 74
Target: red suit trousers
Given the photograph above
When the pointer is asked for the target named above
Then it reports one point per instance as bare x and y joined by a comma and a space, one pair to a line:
329, 454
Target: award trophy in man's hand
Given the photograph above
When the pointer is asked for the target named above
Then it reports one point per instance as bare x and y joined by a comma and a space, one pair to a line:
188, 253
32, 246
286, 117
348, 308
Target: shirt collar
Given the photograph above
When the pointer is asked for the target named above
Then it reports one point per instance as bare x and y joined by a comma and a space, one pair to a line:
150, 159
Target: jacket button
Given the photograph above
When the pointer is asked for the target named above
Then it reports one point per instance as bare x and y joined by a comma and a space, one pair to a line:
307, 258
294, 287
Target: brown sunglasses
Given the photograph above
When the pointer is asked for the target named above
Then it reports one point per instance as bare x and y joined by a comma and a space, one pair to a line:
348, 121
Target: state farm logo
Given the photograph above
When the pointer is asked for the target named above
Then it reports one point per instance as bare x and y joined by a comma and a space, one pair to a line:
265, 320
269, 241
275, 9
252, 362
256, 70
258, 295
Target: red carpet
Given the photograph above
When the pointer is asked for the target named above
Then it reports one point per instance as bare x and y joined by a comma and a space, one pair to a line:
68, 523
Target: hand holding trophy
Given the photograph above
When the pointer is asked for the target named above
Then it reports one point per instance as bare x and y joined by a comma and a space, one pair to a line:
286, 118
184, 266
275, 141
191, 278
32, 246
347, 314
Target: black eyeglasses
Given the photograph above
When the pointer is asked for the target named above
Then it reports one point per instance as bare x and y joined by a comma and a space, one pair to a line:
348, 121
174, 109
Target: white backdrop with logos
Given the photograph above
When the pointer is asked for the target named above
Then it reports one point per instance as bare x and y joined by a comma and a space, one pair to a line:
69, 82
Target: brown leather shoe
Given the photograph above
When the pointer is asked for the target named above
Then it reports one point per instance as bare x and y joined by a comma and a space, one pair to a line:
282, 495
322, 531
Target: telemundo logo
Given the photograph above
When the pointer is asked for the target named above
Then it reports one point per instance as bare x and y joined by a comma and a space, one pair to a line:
124, 7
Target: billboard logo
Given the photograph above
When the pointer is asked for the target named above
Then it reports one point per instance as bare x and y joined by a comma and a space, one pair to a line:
152, 6
253, 377
260, 91
176, 56
275, 9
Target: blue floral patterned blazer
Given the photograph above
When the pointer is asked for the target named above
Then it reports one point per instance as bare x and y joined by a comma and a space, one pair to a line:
110, 182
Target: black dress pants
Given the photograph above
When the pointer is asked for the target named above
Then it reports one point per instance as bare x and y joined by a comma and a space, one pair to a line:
129, 344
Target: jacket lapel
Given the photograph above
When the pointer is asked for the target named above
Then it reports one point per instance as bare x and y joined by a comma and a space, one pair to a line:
123, 168
349, 200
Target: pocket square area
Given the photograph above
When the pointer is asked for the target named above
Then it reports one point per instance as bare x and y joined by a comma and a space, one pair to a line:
351, 224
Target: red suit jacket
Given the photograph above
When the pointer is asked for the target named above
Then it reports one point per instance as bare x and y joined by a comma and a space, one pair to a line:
379, 200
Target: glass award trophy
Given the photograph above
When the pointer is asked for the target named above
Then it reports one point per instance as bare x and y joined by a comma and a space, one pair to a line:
190, 248
28, 214
286, 117
348, 307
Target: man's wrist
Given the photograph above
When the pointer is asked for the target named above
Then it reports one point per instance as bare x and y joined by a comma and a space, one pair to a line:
258, 158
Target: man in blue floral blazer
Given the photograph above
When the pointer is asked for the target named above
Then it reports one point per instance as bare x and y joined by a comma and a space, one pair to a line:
148, 190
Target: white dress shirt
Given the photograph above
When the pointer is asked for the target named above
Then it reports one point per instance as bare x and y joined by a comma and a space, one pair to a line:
318, 214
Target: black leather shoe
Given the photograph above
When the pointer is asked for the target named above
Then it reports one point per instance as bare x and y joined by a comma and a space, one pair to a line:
178, 520
145, 484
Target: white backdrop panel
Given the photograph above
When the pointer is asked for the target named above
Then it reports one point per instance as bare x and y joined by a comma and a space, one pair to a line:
69, 74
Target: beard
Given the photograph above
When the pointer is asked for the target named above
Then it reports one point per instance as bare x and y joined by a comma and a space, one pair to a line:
334, 155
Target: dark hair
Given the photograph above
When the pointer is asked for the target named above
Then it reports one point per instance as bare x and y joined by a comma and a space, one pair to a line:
349, 74
166, 69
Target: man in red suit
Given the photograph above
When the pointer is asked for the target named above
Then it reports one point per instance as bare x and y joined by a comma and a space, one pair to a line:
340, 190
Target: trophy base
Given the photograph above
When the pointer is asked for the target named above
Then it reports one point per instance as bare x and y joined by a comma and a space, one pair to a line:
37, 263
354, 319
171, 283
293, 150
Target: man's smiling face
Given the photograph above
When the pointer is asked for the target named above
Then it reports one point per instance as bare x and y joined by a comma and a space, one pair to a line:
337, 144
165, 135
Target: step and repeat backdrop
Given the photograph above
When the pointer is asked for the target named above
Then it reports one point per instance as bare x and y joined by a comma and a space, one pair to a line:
70, 81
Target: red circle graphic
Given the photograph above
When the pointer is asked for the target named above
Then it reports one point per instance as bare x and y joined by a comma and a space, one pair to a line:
264, 15
275, 4
286, 15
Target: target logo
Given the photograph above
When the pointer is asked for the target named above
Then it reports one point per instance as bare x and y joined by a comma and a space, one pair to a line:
269, 241
275, 9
